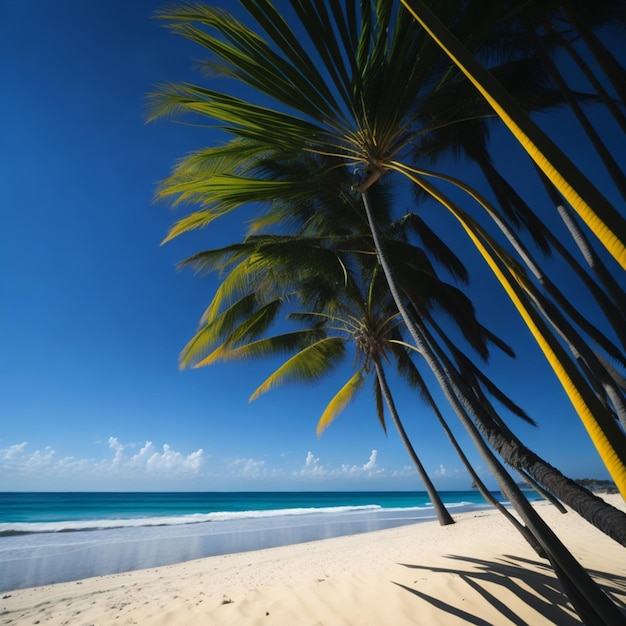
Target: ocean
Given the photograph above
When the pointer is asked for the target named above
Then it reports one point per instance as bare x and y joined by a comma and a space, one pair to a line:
55, 537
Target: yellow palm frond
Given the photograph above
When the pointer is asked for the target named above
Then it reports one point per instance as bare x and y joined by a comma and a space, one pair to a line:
340, 401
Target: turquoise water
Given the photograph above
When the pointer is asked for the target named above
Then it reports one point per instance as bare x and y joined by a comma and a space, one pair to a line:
54, 537
55, 512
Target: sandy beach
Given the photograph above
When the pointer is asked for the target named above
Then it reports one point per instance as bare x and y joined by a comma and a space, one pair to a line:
477, 571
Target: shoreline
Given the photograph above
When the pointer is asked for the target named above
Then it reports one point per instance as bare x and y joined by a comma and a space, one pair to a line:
477, 571
45, 553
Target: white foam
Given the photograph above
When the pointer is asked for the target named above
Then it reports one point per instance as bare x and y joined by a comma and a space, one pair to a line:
16, 528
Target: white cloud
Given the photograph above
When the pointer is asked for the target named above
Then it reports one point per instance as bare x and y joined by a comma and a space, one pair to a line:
17, 460
247, 468
407, 470
119, 451
131, 465
314, 469
311, 459
371, 464
152, 461
14, 451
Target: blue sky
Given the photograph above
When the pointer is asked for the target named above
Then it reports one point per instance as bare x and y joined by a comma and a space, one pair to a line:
93, 312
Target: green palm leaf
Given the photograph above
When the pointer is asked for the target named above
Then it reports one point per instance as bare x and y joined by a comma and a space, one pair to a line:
308, 365
210, 333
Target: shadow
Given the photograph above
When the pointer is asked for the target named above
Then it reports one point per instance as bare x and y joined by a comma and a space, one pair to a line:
539, 590
612, 584
447, 608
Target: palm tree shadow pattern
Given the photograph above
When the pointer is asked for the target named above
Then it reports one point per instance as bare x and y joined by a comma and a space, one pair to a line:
512, 573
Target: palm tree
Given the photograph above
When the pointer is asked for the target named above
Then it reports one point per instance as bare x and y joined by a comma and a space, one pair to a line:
348, 118
607, 438
316, 257
368, 321
370, 329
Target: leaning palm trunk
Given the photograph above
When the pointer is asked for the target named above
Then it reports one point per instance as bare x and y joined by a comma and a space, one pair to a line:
616, 320
593, 368
544, 493
602, 515
443, 515
507, 196
611, 165
591, 257
476, 480
591, 365
614, 308
597, 212
589, 600
470, 373
605, 434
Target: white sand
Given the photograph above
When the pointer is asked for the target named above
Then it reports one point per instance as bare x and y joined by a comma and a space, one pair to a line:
477, 571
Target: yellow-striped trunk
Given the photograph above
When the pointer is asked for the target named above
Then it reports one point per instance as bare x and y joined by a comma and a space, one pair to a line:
611, 449
592, 207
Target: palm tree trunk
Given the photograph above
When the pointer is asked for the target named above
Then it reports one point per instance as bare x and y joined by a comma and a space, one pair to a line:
591, 366
513, 205
476, 480
606, 436
573, 577
555, 292
602, 515
611, 165
443, 515
593, 260
597, 212
505, 192
592, 600
544, 493
616, 318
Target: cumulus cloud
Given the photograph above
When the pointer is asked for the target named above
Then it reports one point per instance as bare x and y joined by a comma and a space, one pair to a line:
311, 460
132, 465
152, 461
371, 464
313, 468
18, 460
17, 457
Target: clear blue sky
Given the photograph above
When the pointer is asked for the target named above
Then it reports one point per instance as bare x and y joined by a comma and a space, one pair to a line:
93, 312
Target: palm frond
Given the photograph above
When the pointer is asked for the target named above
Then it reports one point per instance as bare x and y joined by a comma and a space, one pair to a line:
340, 401
212, 332
308, 365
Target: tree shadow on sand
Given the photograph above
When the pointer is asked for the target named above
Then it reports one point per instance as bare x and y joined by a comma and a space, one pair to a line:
539, 590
